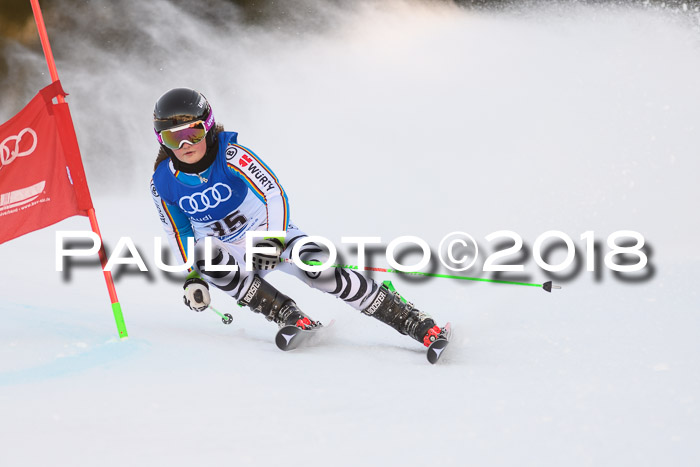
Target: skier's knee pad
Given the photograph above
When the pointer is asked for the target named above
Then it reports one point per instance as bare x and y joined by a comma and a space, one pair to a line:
217, 252
263, 297
230, 281
311, 253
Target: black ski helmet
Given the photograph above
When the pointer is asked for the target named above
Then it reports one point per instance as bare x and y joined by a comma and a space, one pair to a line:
178, 107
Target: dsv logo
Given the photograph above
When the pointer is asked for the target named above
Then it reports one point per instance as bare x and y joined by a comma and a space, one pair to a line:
209, 198
7, 155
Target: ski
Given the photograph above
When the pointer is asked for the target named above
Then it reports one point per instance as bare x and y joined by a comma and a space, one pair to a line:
291, 337
438, 346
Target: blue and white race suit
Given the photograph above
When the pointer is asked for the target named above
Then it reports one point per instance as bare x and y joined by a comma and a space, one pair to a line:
238, 193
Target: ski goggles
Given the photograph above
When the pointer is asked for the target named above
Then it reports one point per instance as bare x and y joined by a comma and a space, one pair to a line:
191, 133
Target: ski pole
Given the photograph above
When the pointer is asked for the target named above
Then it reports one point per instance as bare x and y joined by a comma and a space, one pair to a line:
548, 286
226, 318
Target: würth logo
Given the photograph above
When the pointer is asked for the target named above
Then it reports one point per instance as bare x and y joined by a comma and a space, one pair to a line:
245, 160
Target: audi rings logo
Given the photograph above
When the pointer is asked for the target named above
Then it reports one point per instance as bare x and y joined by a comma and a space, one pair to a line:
209, 198
9, 154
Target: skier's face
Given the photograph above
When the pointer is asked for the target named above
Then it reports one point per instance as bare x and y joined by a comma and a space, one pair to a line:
191, 153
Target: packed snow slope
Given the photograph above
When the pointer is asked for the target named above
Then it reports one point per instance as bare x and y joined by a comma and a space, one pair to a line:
383, 119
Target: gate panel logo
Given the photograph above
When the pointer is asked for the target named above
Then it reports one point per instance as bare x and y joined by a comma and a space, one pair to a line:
8, 155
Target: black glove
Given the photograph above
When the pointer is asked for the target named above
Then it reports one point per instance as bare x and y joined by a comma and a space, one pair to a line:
196, 294
265, 261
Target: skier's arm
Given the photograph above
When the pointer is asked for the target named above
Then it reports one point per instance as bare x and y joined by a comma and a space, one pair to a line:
176, 225
178, 229
264, 183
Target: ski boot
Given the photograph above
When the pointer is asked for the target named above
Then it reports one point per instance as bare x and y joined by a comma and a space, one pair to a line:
390, 308
262, 297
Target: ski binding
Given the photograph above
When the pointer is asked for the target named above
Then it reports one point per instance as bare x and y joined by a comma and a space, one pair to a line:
438, 346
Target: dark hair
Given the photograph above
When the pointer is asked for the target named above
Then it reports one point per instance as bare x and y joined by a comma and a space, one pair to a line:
163, 154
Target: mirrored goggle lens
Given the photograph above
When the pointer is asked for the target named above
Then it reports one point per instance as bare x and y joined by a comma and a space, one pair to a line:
176, 137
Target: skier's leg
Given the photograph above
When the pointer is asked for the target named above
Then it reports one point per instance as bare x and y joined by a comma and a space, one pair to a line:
350, 286
389, 307
234, 283
248, 287
358, 291
262, 297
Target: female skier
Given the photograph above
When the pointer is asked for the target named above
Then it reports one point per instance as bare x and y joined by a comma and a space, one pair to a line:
206, 184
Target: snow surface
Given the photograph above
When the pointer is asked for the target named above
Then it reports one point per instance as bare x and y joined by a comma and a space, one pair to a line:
392, 119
